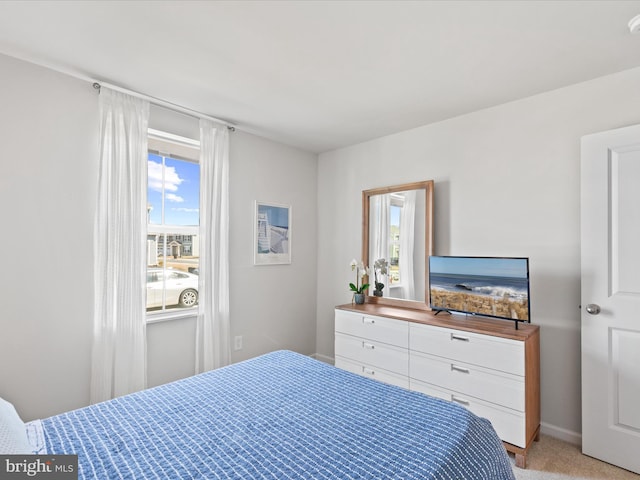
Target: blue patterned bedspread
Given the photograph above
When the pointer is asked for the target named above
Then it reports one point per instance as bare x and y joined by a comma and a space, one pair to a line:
278, 416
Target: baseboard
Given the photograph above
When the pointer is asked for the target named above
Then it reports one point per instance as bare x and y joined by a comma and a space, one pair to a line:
561, 433
323, 358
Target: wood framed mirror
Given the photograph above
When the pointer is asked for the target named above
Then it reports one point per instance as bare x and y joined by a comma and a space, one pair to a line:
397, 225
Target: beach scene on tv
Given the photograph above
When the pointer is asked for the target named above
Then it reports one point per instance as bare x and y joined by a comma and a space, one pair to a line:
495, 287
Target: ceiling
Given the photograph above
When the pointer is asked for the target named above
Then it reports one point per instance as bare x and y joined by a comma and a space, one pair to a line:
321, 75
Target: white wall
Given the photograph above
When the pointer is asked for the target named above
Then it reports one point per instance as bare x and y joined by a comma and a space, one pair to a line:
49, 140
273, 306
506, 183
49, 155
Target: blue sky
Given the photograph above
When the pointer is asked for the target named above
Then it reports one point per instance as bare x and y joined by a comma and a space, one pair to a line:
394, 215
497, 267
181, 191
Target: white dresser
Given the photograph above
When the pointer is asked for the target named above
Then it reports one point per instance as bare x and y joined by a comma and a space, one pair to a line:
373, 346
484, 364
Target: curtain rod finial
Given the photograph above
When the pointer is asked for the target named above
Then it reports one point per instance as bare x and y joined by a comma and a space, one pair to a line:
96, 85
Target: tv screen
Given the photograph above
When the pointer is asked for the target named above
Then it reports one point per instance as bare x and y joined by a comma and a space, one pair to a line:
489, 286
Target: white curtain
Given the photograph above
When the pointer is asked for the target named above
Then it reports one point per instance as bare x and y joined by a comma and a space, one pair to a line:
407, 244
212, 329
379, 209
119, 342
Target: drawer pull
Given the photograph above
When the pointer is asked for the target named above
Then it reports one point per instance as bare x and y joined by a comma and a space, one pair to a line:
456, 368
368, 371
368, 321
461, 401
459, 337
368, 346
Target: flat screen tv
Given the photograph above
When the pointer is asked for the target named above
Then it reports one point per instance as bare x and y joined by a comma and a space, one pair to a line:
495, 287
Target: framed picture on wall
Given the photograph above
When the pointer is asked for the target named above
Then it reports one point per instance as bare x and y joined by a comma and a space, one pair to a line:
272, 234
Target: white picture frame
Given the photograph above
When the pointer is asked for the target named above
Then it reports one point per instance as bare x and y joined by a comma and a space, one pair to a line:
271, 234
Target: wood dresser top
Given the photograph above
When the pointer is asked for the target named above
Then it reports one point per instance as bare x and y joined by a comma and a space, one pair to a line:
468, 323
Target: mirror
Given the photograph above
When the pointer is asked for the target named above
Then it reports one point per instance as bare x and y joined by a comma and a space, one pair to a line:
397, 225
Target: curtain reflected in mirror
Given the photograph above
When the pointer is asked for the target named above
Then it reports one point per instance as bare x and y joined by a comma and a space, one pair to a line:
379, 233
398, 228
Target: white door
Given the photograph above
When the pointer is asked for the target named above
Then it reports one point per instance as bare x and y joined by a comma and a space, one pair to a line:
610, 235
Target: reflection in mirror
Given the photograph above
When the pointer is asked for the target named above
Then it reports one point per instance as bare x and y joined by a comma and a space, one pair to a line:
397, 226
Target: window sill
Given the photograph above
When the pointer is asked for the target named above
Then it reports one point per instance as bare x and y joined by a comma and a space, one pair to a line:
171, 315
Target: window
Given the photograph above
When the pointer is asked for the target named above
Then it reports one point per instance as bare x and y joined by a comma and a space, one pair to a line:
173, 222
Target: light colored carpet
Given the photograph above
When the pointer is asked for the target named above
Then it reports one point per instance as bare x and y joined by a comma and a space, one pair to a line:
553, 459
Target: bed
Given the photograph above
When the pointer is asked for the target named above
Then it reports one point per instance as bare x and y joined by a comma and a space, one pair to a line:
278, 416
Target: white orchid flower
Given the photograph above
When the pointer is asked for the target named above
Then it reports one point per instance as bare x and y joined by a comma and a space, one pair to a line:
363, 270
381, 266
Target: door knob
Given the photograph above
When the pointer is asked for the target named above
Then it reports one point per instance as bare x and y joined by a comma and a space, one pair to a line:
593, 309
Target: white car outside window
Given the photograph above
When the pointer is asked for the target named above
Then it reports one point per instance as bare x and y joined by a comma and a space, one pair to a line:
179, 288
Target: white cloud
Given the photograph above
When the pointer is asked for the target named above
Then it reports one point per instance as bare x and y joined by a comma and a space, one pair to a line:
172, 197
171, 178
184, 209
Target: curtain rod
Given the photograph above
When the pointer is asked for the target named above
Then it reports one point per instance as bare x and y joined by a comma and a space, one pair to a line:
163, 103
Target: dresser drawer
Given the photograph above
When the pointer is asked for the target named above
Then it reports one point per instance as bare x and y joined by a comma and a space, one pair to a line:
484, 350
490, 385
370, 371
508, 424
377, 354
385, 330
